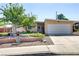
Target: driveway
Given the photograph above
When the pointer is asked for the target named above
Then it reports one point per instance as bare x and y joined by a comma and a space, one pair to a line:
65, 40
65, 44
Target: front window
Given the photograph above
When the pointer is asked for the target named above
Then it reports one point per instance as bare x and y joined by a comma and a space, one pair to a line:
29, 27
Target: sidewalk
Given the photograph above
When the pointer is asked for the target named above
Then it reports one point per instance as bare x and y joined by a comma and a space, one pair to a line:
24, 50
54, 49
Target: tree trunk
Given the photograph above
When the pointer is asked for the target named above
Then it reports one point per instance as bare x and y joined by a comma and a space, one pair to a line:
14, 34
4, 25
14, 29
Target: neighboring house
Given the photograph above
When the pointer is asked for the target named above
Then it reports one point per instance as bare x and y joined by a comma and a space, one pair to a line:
5, 29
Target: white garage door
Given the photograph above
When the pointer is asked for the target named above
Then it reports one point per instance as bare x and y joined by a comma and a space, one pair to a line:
59, 29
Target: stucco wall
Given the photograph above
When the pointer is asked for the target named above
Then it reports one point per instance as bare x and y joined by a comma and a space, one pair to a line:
38, 24
5, 29
33, 29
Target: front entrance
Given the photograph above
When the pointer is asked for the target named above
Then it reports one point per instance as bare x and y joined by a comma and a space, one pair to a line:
40, 27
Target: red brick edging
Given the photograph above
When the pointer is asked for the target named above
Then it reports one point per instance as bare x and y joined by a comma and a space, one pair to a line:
13, 40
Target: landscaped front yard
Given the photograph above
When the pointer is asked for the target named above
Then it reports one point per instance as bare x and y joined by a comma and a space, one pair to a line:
32, 39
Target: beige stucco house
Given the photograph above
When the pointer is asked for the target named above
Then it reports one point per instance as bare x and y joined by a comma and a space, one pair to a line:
58, 27
54, 27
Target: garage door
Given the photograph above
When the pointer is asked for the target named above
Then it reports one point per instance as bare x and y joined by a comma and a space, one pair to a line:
59, 29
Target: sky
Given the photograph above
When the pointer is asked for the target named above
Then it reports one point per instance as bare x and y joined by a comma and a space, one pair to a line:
48, 10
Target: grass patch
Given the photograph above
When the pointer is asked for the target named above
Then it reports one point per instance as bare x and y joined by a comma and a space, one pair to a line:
4, 34
31, 34
28, 32
40, 35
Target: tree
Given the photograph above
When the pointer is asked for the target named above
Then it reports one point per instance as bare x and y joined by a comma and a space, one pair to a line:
15, 14
61, 17
29, 20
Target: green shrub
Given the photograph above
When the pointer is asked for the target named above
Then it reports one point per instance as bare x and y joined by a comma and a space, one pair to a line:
40, 35
28, 32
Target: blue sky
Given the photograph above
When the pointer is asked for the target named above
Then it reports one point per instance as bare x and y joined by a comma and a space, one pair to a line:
48, 10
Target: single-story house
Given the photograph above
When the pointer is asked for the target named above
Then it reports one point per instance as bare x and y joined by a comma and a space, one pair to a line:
55, 27
50, 27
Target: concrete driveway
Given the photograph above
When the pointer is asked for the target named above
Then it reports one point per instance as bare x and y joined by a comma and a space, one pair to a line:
65, 40
65, 44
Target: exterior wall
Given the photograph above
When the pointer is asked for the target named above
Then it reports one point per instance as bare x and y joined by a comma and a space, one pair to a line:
33, 29
41, 25
36, 29
5, 29
48, 21
1, 29
20, 29
51, 21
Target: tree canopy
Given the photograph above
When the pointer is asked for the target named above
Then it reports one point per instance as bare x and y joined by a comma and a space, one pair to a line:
16, 14
29, 20
61, 17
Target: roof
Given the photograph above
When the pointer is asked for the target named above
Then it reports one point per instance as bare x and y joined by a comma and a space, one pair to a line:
60, 20
39, 21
